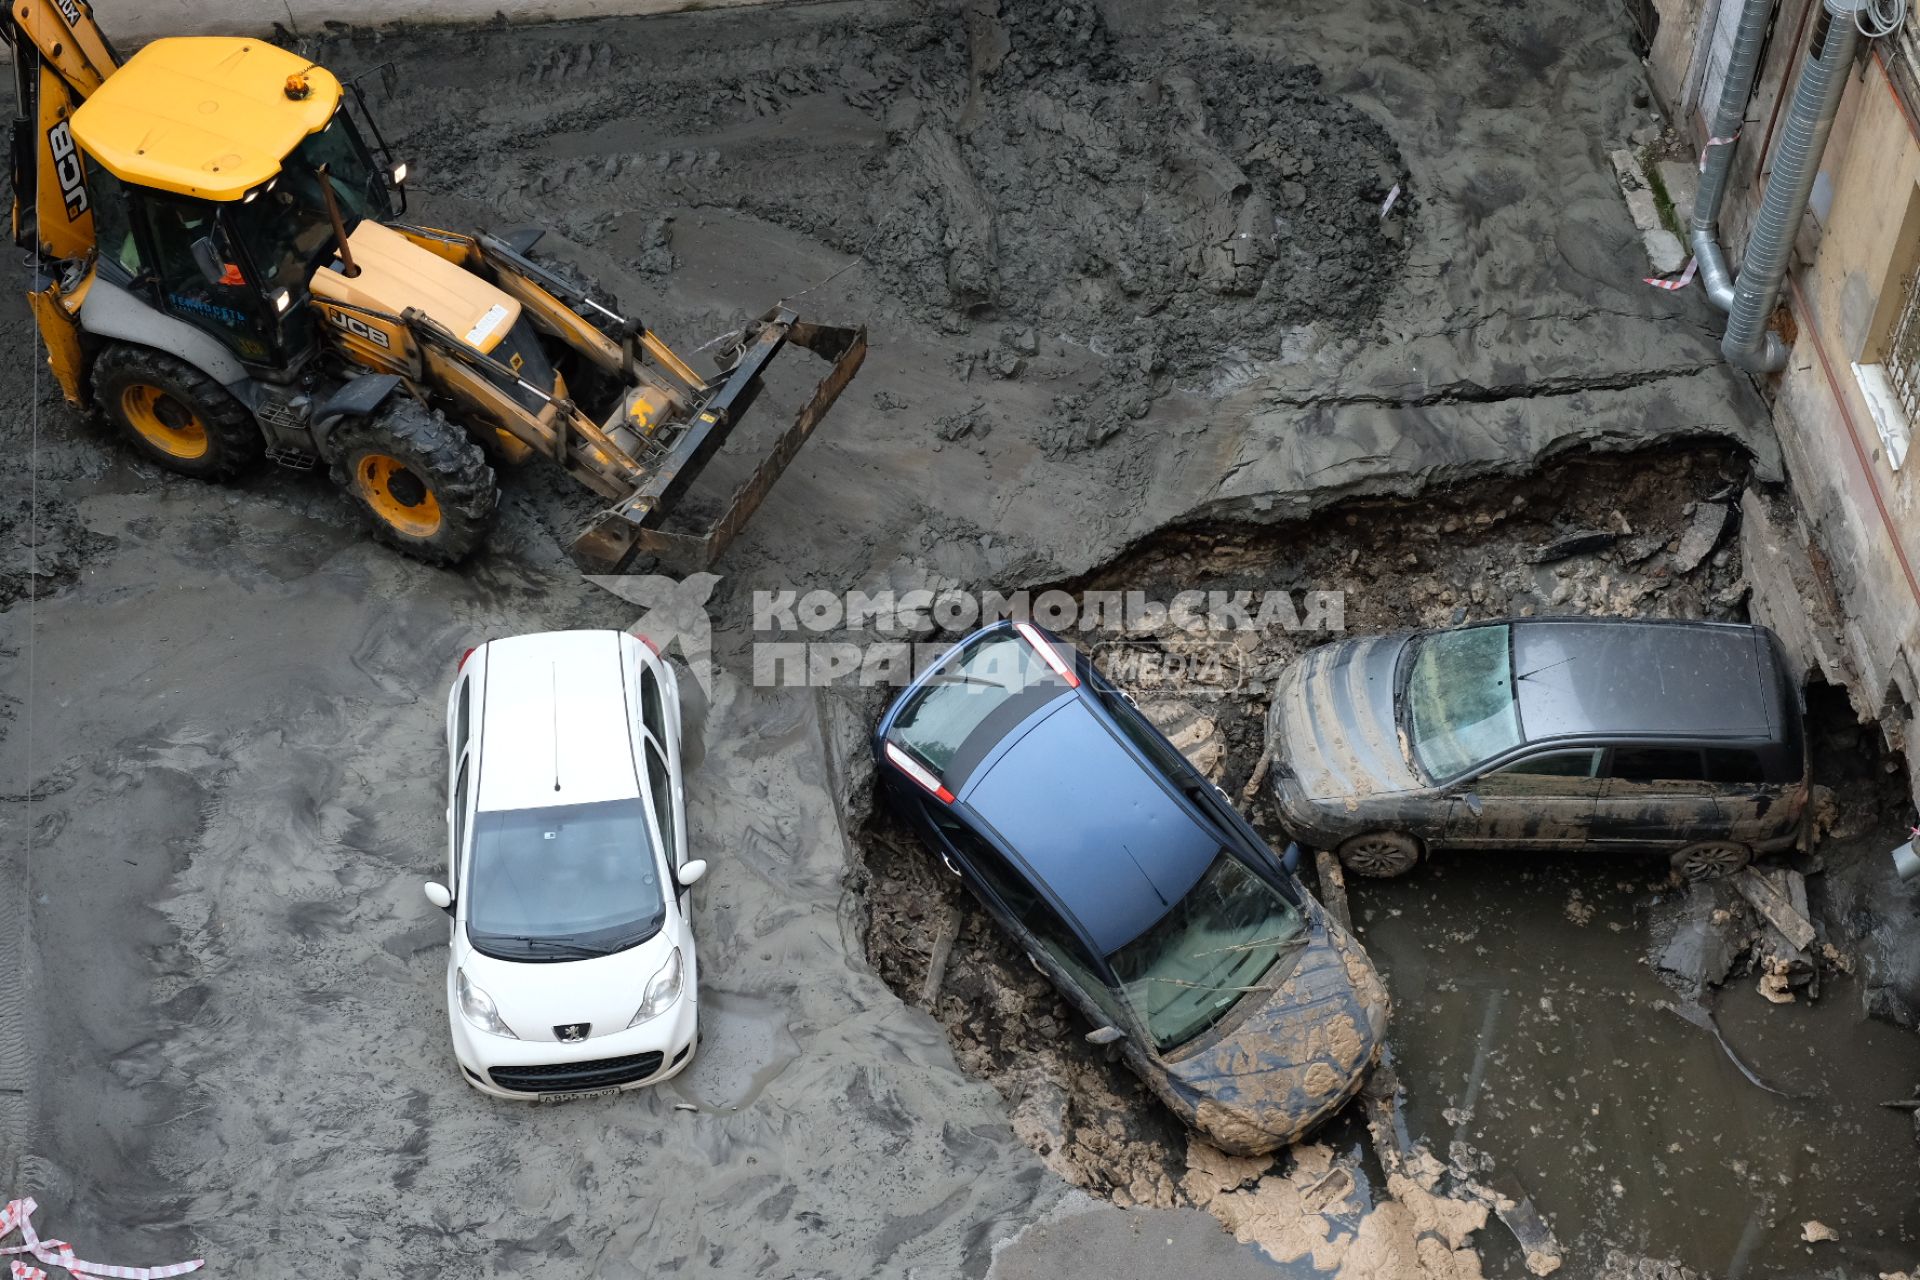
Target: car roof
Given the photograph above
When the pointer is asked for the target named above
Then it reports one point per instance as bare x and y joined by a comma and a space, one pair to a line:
204, 116
555, 706
1625, 678
1092, 824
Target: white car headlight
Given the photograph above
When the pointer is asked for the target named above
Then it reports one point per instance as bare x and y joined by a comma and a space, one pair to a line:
478, 1006
662, 990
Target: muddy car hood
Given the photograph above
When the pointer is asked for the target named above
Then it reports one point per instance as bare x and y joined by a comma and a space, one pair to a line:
1298, 1056
1332, 722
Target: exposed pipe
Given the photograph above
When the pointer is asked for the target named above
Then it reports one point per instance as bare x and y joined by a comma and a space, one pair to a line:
1735, 90
1816, 100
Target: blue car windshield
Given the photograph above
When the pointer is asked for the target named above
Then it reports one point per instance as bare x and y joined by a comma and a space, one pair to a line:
1214, 948
563, 882
971, 686
1461, 708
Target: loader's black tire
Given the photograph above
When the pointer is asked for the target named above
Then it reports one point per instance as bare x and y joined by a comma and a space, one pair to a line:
425, 488
174, 415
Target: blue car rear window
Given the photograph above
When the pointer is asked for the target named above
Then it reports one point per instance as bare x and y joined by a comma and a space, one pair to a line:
975, 682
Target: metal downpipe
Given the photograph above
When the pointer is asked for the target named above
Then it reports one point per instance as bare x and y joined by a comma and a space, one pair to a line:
1743, 65
1803, 137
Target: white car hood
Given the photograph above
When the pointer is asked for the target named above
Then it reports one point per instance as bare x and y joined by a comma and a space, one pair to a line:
604, 992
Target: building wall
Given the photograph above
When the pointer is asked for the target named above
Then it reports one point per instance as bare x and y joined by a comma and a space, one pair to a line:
1861, 514
1865, 514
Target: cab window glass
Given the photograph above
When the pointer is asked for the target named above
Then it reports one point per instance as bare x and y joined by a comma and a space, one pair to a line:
1657, 764
1737, 765
225, 306
463, 719
459, 822
662, 788
113, 223
1554, 774
652, 710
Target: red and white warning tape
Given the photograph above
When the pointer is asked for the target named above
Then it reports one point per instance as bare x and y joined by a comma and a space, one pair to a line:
58, 1253
1680, 281
1727, 141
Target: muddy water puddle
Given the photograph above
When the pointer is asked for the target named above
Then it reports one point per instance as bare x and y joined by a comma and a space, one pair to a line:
1529, 1026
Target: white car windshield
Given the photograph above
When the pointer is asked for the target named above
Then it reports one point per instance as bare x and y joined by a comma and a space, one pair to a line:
563, 883
1460, 704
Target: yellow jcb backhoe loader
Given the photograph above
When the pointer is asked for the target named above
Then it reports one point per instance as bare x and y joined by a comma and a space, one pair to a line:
222, 270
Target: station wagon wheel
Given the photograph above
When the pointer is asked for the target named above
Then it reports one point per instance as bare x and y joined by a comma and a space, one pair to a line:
1711, 859
1380, 854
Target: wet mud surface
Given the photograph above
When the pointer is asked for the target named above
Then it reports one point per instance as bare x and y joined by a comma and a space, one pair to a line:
225, 1034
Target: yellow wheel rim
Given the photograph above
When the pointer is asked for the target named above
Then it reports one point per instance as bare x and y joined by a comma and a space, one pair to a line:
164, 422
398, 495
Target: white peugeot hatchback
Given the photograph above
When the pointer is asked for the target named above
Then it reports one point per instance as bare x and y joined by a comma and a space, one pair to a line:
572, 968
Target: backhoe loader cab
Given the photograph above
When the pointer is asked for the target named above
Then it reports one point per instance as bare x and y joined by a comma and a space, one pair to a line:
223, 273
205, 159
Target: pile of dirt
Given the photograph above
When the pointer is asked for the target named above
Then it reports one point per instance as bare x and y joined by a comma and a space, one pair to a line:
1165, 207
1169, 202
1172, 204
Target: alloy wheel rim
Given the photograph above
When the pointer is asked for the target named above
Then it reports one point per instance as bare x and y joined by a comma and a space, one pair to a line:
1378, 855
1711, 862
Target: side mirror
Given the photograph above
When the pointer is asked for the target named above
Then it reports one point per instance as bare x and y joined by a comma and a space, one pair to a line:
208, 259
1105, 1035
439, 895
1472, 801
690, 874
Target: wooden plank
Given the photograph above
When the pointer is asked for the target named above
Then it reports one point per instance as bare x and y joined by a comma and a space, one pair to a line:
945, 934
1772, 904
1333, 888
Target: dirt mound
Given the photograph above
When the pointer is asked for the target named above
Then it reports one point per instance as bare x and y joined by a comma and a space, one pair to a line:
1164, 205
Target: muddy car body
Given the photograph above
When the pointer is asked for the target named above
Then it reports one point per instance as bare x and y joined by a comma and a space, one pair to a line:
1546, 733
1134, 886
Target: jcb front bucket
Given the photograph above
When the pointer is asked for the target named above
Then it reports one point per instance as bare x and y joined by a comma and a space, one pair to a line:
631, 530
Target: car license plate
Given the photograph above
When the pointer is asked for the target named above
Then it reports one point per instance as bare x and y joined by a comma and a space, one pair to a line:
575, 1097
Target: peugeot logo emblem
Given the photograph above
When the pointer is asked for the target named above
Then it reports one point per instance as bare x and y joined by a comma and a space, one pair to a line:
572, 1032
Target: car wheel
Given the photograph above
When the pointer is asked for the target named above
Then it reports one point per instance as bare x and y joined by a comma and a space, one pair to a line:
1711, 859
1380, 854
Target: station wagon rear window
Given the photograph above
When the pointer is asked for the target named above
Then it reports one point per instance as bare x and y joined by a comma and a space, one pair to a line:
998, 678
1460, 704
563, 882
